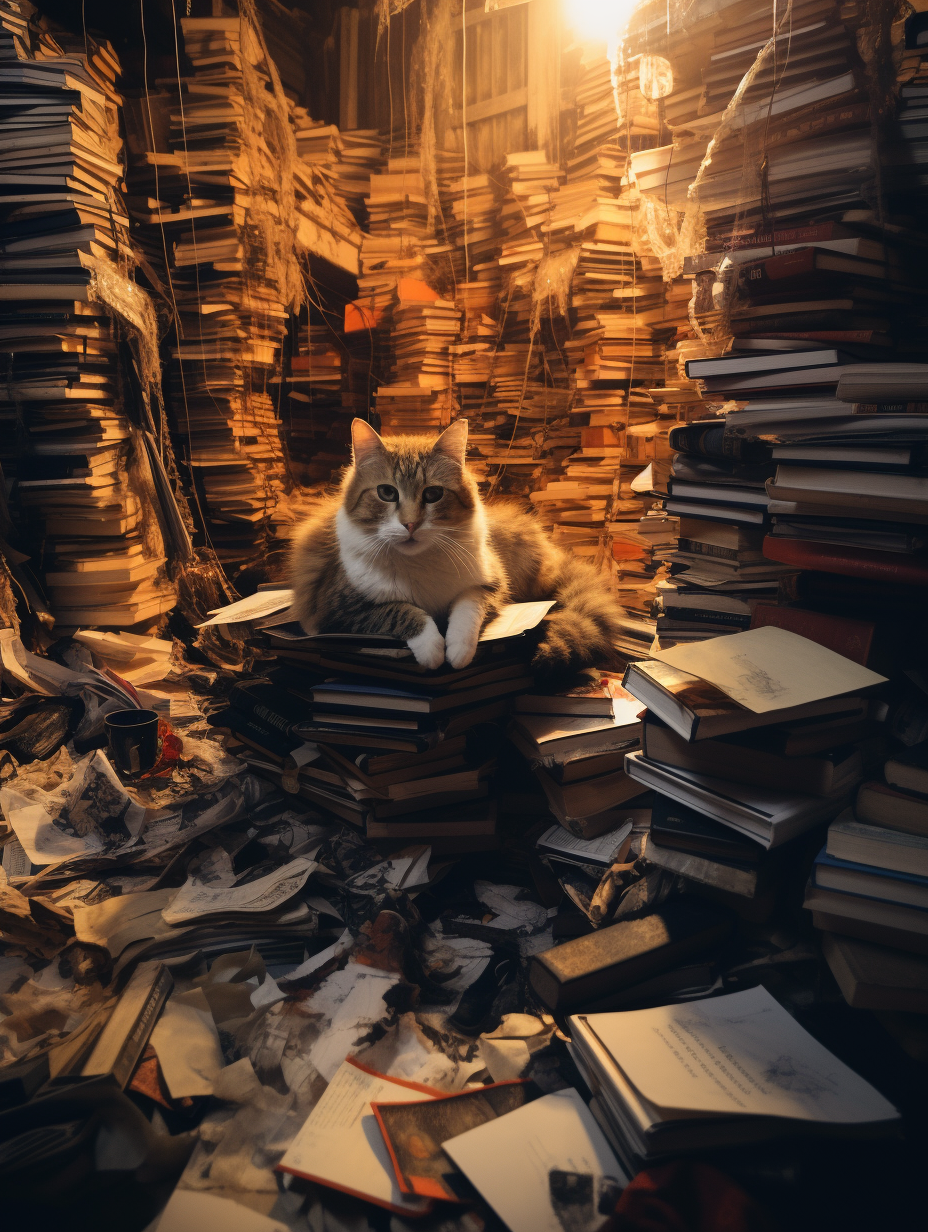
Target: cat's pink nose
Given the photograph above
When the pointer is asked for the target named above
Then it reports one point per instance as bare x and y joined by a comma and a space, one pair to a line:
412, 527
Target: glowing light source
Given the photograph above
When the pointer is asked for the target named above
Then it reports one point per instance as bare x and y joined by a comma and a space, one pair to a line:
598, 19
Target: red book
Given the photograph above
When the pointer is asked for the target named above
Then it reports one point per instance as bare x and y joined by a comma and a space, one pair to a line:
851, 638
852, 562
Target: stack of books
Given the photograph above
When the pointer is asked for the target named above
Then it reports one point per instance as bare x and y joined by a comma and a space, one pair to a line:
201, 188
870, 880
354, 725
316, 423
80, 472
652, 1102
760, 736
719, 573
416, 393
576, 742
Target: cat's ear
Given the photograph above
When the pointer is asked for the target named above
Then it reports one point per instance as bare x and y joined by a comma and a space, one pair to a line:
453, 442
365, 443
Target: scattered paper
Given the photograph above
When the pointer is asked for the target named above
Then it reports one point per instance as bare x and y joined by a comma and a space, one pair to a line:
544, 1168
740, 1053
558, 841
770, 668
266, 894
191, 1210
341, 1144
187, 1043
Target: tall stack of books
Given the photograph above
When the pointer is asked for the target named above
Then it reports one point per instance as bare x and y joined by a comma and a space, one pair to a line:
575, 742
79, 469
230, 263
869, 888
751, 742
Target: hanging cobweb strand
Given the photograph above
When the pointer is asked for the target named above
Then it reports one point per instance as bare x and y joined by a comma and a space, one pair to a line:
673, 243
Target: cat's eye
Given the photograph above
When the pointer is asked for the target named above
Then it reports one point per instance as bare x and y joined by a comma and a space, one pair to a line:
387, 493
431, 495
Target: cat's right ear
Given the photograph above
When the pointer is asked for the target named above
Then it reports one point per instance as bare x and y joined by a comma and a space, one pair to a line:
365, 443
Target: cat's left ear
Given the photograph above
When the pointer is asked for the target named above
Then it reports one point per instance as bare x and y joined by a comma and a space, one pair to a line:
365, 442
453, 442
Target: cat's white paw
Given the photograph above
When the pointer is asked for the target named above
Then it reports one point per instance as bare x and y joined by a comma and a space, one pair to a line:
461, 646
428, 646
463, 632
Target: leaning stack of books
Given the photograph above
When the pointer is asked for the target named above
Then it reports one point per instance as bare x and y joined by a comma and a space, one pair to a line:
751, 741
63, 237
870, 880
575, 742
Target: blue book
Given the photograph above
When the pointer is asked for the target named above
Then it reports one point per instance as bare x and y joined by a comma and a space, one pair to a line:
866, 881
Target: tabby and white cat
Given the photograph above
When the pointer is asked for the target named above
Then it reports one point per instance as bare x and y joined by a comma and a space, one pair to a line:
408, 548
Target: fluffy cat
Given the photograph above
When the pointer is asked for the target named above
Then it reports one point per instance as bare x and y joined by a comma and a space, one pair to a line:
408, 548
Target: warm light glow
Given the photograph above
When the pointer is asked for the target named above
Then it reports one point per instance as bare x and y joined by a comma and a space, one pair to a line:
601, 20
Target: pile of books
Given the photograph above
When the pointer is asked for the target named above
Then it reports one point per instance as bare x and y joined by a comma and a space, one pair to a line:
750, 742
576, 742
869, 889
355, 726
652, 1103
79, 467
200, 184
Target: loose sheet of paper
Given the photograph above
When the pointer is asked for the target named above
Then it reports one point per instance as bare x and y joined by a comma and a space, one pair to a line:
740, 1053
253, 607
544, 1167
187, 1043
340, 1143
190, 1210
265, 894
516, 618
770, 669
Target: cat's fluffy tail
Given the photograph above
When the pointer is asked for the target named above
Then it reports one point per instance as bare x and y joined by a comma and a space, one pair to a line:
584, 627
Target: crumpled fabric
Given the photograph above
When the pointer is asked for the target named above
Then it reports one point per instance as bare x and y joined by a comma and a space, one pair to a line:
687, 1197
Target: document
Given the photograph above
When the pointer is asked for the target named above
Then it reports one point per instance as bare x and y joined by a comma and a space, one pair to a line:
544, 1168
770, 669
341, 1145
741, 1054
266, 894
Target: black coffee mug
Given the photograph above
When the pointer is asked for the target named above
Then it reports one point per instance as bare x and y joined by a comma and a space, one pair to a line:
132, 736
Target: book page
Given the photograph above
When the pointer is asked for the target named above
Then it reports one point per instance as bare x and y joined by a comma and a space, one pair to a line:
595, 850
740, 1054
544, 1167
263, 603
341, 1145
516, 618
770, 669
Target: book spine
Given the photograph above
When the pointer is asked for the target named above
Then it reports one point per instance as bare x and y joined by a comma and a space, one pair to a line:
759, 276
274, 741
852, 562
144, 1025
707, 549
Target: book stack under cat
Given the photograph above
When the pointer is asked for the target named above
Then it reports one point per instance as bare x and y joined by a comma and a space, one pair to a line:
740, 778
869, 888
354, 725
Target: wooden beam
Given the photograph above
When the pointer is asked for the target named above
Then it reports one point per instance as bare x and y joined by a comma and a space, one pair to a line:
491, 107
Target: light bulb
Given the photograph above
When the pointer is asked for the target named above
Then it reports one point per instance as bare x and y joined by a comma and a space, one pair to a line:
598, 20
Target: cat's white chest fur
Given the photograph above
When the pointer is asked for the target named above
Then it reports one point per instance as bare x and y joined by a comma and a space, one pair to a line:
431, 580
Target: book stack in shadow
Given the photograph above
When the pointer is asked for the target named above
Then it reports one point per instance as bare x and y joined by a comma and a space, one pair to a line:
868, 890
